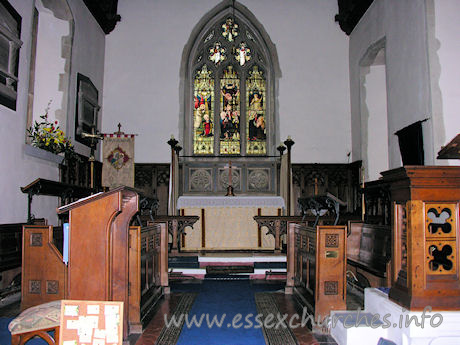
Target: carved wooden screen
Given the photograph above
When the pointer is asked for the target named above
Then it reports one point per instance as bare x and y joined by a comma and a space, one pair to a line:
441, 240
229, 76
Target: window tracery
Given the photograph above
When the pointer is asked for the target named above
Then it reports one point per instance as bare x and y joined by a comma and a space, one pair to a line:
229, 113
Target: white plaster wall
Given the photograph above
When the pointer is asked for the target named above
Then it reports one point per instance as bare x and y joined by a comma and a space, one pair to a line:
402, 23
445, 71
143, 56
377, 124
17, 168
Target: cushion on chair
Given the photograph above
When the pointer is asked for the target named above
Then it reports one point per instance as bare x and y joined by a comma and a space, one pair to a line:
42, 316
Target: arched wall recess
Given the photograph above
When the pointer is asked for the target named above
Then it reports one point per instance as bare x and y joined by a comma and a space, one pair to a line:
50, 69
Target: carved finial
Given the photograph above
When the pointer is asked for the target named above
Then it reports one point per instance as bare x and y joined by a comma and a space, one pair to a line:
119, 128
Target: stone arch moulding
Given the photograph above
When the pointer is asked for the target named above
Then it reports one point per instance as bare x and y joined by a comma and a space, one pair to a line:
242, 13
365, 62
61, 10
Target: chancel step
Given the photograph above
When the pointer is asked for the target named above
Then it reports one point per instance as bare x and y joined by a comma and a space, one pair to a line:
229, 269
269, 267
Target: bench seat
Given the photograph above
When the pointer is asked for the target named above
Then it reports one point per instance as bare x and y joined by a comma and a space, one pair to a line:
375, 267
369, 252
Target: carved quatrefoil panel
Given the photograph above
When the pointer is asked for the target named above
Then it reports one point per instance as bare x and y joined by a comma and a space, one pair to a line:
439, 220
441, 258
200, 180
258, 180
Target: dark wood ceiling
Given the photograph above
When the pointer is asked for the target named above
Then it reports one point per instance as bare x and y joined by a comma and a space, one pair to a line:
350, 12
105, 12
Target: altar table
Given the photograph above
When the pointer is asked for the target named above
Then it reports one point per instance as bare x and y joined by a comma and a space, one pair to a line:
227, 222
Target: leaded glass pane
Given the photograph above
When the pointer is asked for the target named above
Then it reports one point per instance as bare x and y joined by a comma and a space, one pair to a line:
217, 53
230, 112
230, 29
243, 54
203, 110
255, 109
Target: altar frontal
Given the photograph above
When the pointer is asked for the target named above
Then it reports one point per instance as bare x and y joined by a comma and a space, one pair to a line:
227, 222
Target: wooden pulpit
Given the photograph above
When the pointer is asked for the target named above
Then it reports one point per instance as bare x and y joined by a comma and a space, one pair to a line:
425, 216
99, 243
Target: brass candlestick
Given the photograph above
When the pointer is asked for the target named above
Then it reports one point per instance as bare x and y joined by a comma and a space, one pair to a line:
230, 182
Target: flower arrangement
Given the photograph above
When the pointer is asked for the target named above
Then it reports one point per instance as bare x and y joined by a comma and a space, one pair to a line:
48, 136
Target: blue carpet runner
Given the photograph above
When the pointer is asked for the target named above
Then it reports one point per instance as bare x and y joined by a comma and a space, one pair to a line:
231, 305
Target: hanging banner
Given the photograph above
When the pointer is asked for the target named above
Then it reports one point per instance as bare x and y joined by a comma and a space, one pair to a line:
118, 160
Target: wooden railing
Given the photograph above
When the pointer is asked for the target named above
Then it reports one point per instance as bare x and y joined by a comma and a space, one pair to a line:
77, 171
148, 271
316, 267
175, 226
277, 226
377, 196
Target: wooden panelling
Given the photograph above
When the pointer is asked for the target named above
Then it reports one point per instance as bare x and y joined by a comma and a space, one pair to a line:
43, 270
316, 262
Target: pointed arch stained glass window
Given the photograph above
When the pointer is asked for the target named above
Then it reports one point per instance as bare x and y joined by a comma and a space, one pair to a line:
230, 112
232, 83
203, 100
255, 108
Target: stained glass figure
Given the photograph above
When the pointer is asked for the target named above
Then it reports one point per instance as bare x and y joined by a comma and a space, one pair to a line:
230, 29
217, 53
230, 112
243, 54
255, 105
203, 96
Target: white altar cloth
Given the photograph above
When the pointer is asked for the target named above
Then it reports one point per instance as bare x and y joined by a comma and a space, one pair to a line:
227, 222
230, 201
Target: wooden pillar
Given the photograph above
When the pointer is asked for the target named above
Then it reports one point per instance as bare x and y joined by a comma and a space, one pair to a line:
171, 204
277, 236
289, 289
174, 225
289, 143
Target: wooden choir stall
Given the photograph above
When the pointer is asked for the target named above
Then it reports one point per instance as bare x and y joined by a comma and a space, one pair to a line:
107, 259
316, 267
